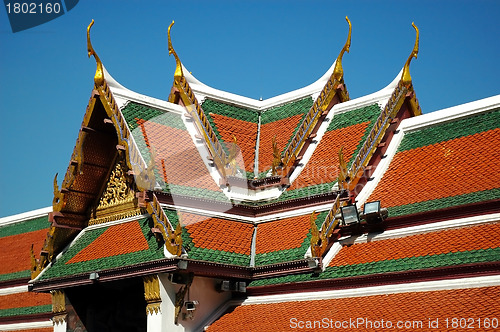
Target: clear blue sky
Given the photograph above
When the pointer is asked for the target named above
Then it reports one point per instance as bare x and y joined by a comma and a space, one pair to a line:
252, 48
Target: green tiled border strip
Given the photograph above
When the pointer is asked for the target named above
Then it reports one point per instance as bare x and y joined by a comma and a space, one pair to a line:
285, 111
134, 110
451, 130
41, 309
446, 202
26, 226
15, 275
354, 117
60, 268
231, 111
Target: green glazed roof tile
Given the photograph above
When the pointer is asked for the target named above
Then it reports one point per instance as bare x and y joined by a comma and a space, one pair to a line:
441, 203
60, 268
451, 130
31, 225
11, 312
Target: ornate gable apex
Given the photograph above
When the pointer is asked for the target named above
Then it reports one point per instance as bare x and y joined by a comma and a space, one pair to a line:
203, 91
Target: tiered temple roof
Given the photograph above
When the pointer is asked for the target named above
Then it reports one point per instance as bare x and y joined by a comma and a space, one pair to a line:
221, 186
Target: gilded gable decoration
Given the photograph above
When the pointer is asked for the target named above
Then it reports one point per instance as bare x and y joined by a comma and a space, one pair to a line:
58, 306
406, 77
152, 294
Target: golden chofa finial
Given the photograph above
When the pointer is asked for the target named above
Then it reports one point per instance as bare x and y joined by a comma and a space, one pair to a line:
338, 72
99, 73
406, 77
178, 69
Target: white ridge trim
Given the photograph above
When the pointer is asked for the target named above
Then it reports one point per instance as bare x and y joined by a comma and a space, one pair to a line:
425, 286
25, 216
26, 326
250, 220
14, 290
421, 229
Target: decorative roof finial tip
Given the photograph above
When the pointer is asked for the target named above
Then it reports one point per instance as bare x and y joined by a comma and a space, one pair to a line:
338, 71
99, 73
178, 68
406, 77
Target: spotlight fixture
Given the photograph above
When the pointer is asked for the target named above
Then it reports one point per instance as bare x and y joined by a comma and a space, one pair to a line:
94, 276
373, 214
350, 215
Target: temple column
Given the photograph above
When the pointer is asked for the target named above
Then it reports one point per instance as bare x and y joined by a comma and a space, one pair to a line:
59, 310
153, 300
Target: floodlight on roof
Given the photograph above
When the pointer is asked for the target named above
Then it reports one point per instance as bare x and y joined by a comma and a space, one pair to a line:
371, 208
350, 215
94, 276
373, 214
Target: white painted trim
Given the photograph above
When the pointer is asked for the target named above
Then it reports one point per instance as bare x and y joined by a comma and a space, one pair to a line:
25, 216
330, 255
26, 326
250, 220
14, 290
450, 114
425, 286
421, 229
203, 91
125, 95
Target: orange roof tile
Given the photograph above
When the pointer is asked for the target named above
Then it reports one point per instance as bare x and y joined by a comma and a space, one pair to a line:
450, 168
218, 234
25, 299
16, 250
245, 133
476, 304
282, 234
323, 167
435, 243
283, 129
177, 157
116, 240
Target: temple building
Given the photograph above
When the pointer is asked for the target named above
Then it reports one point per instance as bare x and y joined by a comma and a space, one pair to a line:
309, 210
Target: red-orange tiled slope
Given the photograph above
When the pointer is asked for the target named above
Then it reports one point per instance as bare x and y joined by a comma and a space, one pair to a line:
450, 168
477, 304
26, 299
323, 167
16, 250
217, 233
214, 239
116, 240
283, 234
428, 244
108, 247
177, 158
283, 130
16, 240
246, 138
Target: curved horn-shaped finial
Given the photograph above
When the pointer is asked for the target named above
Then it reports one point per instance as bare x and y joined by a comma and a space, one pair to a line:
406, 77
99, 73
338, 72
178, 68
